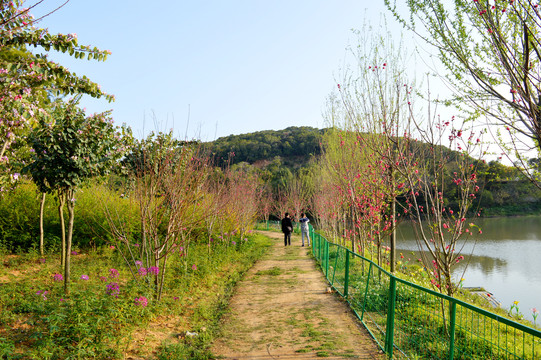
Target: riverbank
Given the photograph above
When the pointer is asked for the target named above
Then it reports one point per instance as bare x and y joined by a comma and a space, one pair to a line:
504, 259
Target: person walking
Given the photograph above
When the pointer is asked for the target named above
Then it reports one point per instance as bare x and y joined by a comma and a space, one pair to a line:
304, 228
287, 229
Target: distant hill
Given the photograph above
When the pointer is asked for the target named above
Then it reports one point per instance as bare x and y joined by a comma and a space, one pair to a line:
279, 154
294, 145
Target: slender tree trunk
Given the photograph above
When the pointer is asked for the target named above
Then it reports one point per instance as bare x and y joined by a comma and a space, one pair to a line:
67, 269
156, 277
393, 235
162, 277
41, 231
4, 147
62, 201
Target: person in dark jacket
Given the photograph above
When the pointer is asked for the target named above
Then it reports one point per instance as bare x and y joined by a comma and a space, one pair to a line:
287, 229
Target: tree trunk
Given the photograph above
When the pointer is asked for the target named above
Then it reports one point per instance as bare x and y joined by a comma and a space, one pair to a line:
62, 201
67, 270
4, 147
41, 231
393, 236
162, 277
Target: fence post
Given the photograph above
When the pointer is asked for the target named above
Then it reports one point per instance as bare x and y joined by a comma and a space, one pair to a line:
389, 334
366, 290
319, 250
326, 259
346, 279
452, 330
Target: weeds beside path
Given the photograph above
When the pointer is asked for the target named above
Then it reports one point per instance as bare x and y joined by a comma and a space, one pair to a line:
281, 310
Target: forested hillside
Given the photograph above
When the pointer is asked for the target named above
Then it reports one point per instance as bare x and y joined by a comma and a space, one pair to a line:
279, 156
294, 145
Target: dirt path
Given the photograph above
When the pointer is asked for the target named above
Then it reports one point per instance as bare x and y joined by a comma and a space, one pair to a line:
281, 310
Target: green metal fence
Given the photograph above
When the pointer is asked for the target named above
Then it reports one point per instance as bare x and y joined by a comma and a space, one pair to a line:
410, 321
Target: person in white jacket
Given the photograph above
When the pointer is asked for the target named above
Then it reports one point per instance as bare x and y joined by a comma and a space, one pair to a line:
304, 228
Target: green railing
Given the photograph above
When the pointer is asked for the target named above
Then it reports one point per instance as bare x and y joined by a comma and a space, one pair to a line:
410, 321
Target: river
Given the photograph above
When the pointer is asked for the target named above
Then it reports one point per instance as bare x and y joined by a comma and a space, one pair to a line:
505, 260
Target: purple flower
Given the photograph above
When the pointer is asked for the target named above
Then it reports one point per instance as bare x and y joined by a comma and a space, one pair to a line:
42, 260
142, 271
74, 252
154, 270
141, 301
138, 263
194, 267
103, 278
234, 243
113, 289
84, 277
43, 294
113, 273
58, 277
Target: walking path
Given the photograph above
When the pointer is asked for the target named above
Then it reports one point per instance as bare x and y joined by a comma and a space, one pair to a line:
282, 310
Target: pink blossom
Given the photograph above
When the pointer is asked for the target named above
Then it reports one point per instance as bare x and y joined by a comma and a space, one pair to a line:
141, 301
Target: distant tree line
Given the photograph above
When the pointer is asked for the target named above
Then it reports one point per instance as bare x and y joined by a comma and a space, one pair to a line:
280, 156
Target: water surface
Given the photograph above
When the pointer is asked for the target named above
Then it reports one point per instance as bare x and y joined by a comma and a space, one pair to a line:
505, 259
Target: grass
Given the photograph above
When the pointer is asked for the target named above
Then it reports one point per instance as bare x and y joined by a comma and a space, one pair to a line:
37, 321
274, 271
422, 322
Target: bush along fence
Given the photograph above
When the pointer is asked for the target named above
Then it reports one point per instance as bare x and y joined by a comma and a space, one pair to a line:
409, 321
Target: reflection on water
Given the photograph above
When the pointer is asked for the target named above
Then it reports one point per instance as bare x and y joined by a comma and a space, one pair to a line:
504, 259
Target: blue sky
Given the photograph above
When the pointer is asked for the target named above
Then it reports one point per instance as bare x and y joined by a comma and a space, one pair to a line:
229, 67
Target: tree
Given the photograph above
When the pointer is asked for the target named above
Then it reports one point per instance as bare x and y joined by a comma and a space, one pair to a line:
371, 110
298, 196
243, 200
441, 228
491, 53
265, 202
382, 151
70, 148
171, 189
28, 77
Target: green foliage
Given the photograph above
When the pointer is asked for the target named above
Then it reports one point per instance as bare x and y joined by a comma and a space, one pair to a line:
491, 56
154, 152
92, 324
70, 147
19, 214
296, 144
29, 78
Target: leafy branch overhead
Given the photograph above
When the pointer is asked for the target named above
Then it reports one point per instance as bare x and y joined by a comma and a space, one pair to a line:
28, 77
491, 54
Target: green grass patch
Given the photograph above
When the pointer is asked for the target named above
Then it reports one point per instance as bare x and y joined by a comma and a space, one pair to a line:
38, 321
274, 271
